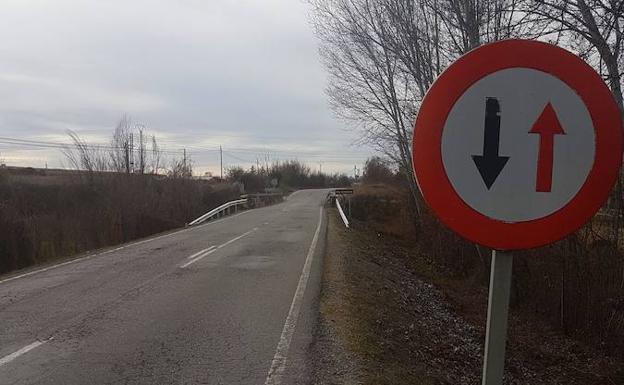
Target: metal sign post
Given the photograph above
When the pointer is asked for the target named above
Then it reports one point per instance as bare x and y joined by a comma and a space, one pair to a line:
498, 308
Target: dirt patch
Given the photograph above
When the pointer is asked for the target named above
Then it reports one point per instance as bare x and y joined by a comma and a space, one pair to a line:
388, 317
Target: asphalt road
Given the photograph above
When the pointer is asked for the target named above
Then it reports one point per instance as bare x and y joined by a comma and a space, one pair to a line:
229, 302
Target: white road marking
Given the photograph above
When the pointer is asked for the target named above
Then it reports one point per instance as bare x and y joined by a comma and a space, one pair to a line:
212, 250
279, 360
197, 258
87, 257
237, 238
200, 252
24, 350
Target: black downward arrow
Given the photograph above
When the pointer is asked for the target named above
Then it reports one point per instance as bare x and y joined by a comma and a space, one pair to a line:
490, 164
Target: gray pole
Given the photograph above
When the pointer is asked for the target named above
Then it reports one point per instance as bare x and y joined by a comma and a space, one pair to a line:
498, 307
131, 152
221, 157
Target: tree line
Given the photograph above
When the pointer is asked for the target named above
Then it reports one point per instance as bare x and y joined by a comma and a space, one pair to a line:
285, 176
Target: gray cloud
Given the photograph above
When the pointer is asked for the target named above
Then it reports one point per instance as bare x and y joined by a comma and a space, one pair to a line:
241, 73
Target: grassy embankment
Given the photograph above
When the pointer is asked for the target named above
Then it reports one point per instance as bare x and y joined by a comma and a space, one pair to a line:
411, 306
47, 215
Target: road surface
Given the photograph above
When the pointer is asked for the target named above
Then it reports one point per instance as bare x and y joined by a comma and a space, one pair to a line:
229, 302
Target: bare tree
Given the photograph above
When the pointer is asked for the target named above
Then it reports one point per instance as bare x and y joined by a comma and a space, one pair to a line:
181, 168
82, 156
595, 30
383, 55
120, 146
592, 28
370, 84
119, 155
141, 150
156, 156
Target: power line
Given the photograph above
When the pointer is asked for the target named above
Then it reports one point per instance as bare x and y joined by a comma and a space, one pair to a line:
237, 158
326, 157
50, 144
59, 145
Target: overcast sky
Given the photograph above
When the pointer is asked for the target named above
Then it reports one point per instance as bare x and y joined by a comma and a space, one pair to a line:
244, 74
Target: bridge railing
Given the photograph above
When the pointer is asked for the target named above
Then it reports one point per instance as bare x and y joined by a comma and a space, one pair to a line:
219, 211
335, 195
342, 214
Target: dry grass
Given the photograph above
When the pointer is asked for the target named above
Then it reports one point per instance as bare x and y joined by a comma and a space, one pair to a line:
409, 322
45, 217
357, 306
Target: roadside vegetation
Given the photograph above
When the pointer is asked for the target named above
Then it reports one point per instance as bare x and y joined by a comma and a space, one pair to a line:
415, 298
390, 315
46, 215
576, 285
284, 176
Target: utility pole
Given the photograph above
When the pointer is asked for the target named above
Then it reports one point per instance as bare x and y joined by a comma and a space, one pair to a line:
184, 161
320, 168
127, 156
141, 152
221, 157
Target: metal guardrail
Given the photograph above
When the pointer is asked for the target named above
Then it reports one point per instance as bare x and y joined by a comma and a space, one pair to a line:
343, 191
256, 199
262, 195
219, 210
342, 214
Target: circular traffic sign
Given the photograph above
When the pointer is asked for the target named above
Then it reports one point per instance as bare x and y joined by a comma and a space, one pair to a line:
517, 144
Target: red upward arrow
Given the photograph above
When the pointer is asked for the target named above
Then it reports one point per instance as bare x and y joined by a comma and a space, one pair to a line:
547, 126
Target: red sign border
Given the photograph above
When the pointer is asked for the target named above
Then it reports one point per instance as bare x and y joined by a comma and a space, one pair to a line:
442, 96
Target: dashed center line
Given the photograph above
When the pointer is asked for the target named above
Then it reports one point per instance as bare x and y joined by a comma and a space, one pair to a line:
6, 359
202, 254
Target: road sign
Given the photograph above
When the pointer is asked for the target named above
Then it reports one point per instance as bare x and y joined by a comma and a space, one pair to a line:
517, 144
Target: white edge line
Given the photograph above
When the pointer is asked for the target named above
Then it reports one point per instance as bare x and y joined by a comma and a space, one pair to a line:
218, 247
237, 238
278, 364
86, 257
24, 350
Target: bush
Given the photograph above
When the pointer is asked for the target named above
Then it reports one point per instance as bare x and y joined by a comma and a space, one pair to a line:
47, 217
576, 284
377, 170
286, 176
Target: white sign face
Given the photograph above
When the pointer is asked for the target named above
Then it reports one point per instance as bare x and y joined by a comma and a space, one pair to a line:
518, 145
